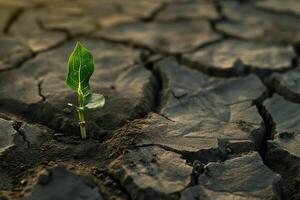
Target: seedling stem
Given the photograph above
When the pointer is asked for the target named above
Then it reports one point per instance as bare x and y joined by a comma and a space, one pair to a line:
81, 115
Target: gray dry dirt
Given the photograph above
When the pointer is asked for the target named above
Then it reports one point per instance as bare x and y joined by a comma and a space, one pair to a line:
202, 100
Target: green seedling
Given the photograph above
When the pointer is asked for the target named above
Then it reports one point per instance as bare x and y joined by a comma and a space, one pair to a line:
80, 70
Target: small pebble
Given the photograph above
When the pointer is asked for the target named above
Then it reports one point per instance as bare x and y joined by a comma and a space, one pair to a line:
44, 177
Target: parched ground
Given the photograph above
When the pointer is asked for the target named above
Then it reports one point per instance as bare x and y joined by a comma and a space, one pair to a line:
202, 100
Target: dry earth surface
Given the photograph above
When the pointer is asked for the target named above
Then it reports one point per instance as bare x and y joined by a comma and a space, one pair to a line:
202, 100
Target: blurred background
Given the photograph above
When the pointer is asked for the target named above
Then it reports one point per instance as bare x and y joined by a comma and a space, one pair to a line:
164, 26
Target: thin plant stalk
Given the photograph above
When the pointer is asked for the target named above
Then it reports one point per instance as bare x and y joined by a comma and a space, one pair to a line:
81, 115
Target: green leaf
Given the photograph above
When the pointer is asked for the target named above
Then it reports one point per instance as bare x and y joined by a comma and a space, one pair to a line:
94, 102
81, 68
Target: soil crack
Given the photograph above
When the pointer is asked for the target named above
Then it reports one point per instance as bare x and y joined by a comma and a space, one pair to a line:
159, 84
13, 18
17, 126
127, 43
33, 55
204, 155
153, 15
40, 84
268, 122
63, 31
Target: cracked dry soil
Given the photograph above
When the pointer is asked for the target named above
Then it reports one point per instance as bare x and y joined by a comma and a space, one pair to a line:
202, 100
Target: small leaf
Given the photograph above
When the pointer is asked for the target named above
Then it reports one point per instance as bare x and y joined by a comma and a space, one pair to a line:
94, 102
81, 68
